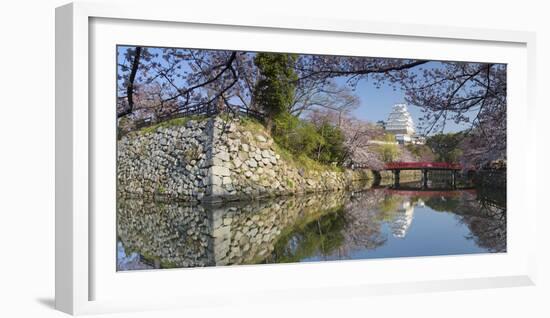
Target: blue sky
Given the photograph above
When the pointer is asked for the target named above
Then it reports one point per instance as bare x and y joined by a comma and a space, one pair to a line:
376, 103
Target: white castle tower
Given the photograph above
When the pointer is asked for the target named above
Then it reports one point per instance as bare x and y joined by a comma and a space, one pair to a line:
400, 124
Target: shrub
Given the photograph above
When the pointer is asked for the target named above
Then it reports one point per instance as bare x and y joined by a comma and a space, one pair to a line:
421, 152
389, 151
332, 149
323, 143
298, 136
446, 146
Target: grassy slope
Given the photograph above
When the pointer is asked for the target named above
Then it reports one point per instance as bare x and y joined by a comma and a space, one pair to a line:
298, 161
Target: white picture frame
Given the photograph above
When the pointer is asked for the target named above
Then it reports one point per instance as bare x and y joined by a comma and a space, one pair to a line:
78, 163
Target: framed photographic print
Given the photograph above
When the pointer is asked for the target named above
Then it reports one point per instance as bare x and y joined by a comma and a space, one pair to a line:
238, 155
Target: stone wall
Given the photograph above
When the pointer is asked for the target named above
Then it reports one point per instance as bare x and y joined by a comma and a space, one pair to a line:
166, 161
216, 159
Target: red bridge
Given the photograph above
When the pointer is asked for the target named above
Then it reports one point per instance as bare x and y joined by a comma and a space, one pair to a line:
396, 168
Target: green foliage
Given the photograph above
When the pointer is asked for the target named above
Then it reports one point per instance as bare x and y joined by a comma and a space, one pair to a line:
274, 92
252, 125
446, 146
317, 237
388, 208
421, 152
389, 138
300, 160
390, 150
161, 189
300, 137
289, 183
323, 143
332, 149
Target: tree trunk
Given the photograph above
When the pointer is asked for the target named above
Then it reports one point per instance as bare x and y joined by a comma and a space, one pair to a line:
130, 86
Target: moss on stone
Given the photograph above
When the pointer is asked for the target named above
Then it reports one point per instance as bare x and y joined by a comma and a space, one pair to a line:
252, 125
176, 122
191, 153
161, 189
289, 183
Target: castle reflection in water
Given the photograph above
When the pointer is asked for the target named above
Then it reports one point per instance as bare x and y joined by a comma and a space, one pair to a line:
403, 218
327, 226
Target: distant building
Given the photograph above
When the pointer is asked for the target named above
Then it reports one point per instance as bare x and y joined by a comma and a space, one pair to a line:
381, 124
401, 125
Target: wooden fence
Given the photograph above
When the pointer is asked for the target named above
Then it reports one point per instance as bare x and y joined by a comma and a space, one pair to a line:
207, 110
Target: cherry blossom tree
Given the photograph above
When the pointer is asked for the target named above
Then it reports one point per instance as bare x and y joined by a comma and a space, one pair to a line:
467, 93
185, 77
157, 81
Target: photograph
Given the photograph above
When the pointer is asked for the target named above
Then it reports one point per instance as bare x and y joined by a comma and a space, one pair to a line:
295, 158
231, 157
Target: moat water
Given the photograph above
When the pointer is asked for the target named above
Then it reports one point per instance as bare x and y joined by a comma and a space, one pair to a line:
374, 223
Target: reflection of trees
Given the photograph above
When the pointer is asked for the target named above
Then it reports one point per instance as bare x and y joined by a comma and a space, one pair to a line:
319, 237
364, 220
358, 225
484, 214
388, 207
488, 228
442, 203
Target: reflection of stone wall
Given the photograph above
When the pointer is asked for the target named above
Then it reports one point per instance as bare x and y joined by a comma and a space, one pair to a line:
206, 235
215, 159
248, 234
173, 234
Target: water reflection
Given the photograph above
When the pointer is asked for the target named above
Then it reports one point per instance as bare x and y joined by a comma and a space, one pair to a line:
328, 226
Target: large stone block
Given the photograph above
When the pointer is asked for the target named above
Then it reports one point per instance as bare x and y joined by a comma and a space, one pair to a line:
237, 162
252, 163
223, 156
220, 171
227, 180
